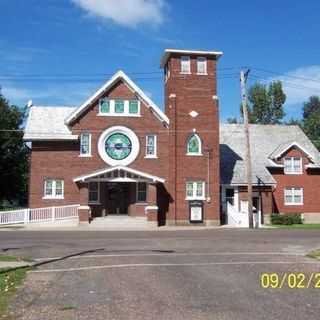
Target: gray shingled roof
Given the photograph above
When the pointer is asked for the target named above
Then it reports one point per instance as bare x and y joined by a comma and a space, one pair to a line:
265, 141
48, 123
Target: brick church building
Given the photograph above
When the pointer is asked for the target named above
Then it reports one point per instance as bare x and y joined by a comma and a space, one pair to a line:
120, 154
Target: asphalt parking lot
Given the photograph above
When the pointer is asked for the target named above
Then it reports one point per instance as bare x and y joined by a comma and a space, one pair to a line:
209, 274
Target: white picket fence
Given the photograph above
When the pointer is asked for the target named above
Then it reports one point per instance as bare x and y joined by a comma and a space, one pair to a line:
49, 214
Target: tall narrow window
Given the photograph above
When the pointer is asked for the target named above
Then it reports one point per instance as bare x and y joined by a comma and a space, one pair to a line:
151, 146
195, 190
185, 64
194, 145
85, 144
119, 106
53, 189
141, 192
94, 192
104, 105
293, 196
201, 65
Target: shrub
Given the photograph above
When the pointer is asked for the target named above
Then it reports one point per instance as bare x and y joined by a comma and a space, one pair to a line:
286, 219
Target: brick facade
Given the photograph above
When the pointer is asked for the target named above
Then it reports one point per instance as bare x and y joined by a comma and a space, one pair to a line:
191, 104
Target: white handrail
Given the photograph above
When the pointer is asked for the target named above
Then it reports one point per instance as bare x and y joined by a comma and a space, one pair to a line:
46, 214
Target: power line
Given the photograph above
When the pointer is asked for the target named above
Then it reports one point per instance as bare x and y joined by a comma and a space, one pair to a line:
286, 76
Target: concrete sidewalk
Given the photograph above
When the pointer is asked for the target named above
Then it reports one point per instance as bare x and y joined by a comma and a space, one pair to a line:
14, 264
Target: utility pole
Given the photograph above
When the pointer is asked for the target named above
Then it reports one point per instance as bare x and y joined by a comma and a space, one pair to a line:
243, 82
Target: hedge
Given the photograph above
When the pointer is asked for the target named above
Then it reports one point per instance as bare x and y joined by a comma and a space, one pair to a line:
286, 219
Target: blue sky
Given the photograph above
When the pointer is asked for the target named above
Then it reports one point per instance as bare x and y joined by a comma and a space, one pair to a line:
59, 51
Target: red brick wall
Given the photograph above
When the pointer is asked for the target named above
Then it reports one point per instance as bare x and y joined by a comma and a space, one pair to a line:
309, 181
193, 92
61, 159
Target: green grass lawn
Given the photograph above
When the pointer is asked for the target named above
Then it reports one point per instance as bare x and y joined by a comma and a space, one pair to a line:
10, 280
298, 226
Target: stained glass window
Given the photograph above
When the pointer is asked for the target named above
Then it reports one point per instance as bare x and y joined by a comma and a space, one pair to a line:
119, 106
104, 106
118, 146
194, 145
133, 106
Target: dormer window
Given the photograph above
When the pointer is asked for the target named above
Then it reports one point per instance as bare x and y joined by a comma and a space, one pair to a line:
201, 65
293, 165
185, 64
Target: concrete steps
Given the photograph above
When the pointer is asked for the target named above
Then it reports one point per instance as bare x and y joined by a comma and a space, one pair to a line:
120, 222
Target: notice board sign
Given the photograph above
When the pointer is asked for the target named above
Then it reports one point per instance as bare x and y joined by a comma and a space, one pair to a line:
196, 211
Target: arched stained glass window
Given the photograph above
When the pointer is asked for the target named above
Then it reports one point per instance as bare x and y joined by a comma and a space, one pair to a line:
194, 145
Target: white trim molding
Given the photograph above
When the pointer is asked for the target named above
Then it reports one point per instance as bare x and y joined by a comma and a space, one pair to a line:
149, 208
131, 171
120, 75
293, 192
296, 144
168, 52
127, 132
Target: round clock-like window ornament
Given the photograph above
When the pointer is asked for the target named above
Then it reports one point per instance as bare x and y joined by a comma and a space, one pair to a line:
118, 146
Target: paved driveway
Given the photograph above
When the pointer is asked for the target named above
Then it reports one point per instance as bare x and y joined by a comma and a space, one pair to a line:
210, 274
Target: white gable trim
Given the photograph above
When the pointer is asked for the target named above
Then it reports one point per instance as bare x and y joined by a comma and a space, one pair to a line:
118, 168
296, 144
120, 75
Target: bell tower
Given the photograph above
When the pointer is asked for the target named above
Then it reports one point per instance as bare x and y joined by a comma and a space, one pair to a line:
191, 103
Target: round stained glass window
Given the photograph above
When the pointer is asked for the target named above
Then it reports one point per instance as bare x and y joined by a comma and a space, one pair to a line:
118, 146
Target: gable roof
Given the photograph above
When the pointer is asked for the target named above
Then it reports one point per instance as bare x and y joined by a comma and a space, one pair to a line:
135, 172
47, 123
120, 75
265, 140
278, 152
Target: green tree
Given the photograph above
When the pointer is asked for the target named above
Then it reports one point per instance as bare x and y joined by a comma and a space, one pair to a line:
13, 154
311, 120
232, 120
266, 103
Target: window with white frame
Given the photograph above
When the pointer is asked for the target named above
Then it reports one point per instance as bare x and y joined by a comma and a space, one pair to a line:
94, 196
104, 106
119, 107
293, 165
194, 145
185, 64
53, 189
151, 146
201, 65
141, 192
85, 144
195, 190
293, 196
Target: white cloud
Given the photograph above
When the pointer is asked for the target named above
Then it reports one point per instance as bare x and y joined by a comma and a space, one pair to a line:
300, 84
54, 94
127, 13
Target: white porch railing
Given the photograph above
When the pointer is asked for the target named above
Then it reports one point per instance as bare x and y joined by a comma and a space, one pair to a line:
49, 214
240, 219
